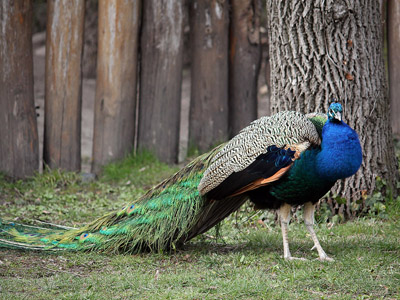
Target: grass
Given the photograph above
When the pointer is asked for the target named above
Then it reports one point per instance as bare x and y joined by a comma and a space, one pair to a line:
246, 263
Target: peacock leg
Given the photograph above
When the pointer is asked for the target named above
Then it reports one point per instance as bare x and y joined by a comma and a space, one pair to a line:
284, 215
309, 209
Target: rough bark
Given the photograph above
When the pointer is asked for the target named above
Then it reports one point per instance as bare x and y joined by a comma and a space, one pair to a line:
63, 84
114, 124
393, 28
209, 24
322, 50
244, 63
18, 131
161, 78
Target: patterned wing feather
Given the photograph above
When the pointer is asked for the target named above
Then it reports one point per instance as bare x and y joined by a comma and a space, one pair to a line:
288, 128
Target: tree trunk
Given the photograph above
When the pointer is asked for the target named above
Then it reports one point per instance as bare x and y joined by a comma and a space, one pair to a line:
244, 63
114, 124
209, 22
393, 26
18, 131
322, 50
63, 84
161, 78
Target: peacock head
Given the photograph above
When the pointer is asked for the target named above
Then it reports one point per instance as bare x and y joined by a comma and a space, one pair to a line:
335, 112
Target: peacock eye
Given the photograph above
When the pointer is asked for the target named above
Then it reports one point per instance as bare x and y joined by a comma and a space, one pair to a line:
83, 236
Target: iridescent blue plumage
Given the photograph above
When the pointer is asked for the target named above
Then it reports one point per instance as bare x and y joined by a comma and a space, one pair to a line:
341, 154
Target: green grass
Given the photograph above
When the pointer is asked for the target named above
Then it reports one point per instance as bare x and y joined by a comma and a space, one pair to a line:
245, 263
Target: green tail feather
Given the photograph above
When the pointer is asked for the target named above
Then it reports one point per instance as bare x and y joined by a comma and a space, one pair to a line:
159, 220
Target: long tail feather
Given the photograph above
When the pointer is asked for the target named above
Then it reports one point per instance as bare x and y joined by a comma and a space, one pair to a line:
51, 225
166, 216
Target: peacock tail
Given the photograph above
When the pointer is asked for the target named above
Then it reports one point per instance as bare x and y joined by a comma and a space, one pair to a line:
160, 219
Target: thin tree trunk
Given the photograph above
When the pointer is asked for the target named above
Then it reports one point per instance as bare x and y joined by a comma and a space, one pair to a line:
209, 24
18, 131
244, 63
321, 50
63, 84
161, 78
114, 125
393, 26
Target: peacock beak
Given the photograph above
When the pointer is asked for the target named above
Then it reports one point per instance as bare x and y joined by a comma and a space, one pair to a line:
338, 116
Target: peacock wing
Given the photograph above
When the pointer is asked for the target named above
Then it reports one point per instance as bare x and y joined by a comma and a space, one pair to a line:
259, 154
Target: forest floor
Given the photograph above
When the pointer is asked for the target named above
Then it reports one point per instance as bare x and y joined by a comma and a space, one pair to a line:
244, 263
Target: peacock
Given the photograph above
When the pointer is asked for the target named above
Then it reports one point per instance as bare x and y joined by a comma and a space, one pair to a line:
277, 162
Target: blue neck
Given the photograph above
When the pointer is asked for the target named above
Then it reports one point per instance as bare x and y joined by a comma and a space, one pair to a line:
341, 154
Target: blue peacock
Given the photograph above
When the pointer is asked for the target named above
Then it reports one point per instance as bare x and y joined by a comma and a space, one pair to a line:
276, 162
